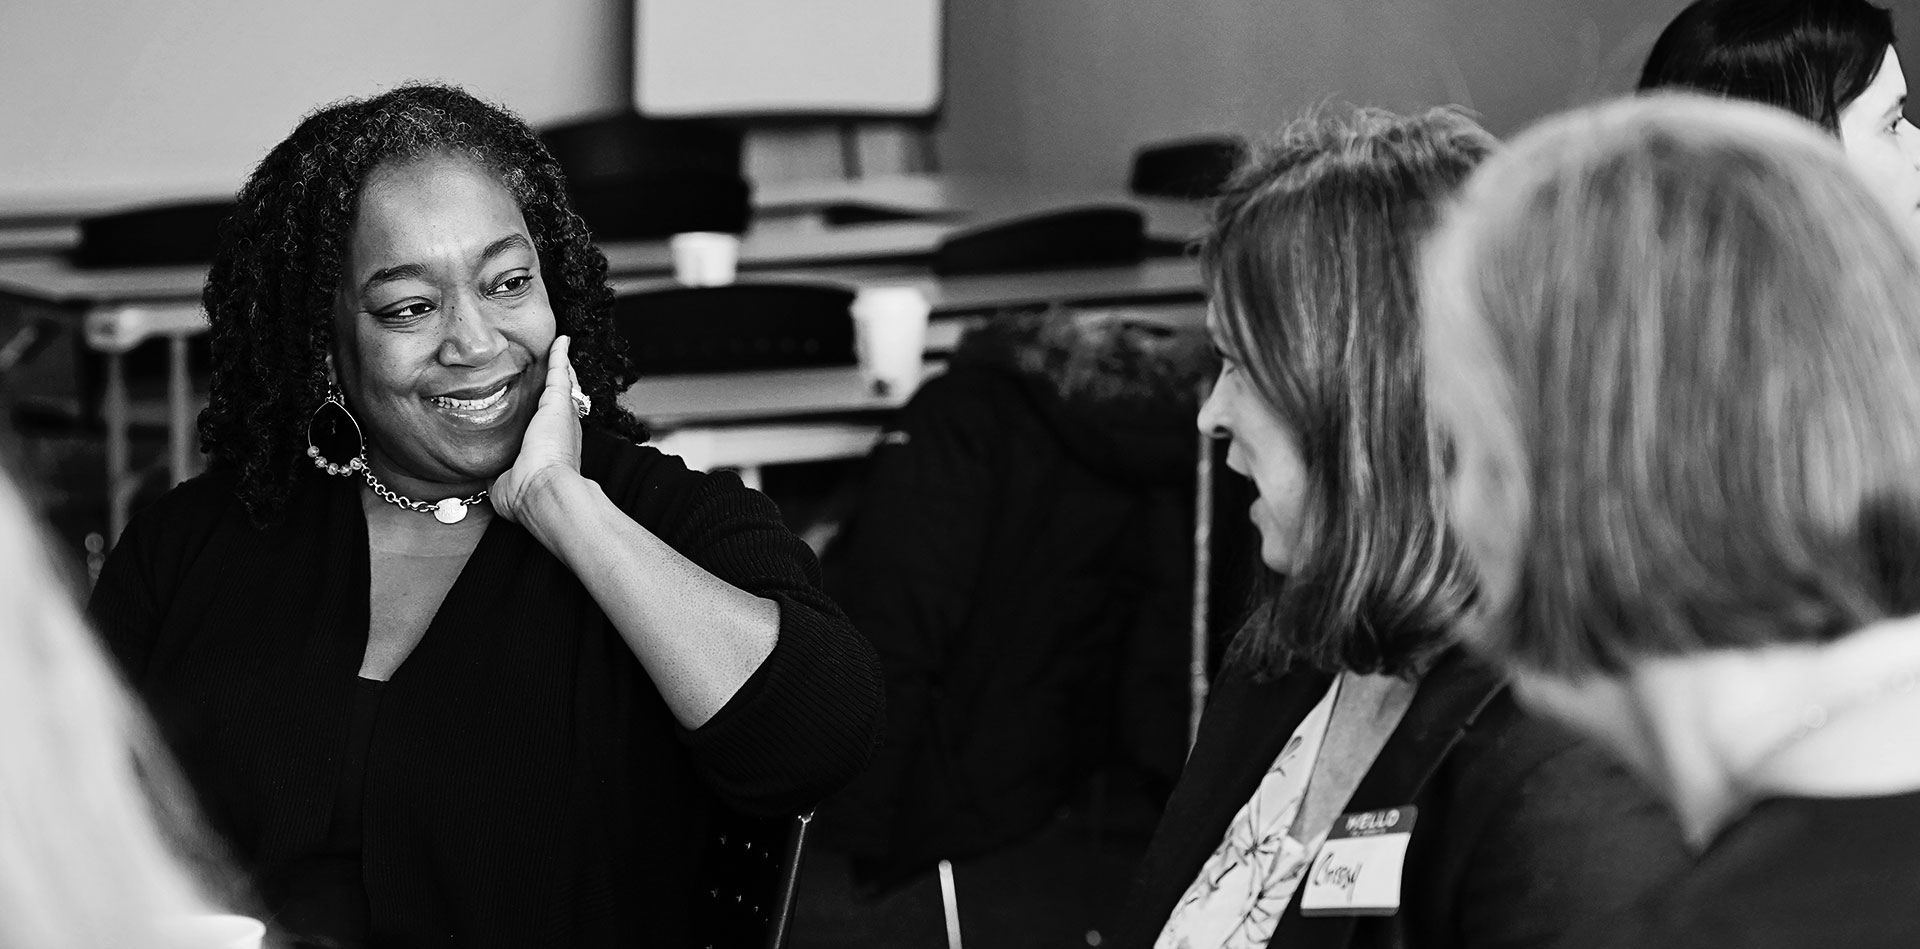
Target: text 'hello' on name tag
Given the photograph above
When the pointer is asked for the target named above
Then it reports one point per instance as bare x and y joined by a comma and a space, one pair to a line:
1357, 872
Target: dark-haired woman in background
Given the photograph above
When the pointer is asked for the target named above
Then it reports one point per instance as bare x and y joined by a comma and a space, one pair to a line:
1676, 345
446, 666
1831, 62
1357, 782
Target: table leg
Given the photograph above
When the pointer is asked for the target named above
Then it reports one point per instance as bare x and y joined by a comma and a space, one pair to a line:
15, 350
180, 411
114, 411
1198, 646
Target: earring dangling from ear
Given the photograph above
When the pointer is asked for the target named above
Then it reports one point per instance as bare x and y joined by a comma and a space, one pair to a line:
333, 433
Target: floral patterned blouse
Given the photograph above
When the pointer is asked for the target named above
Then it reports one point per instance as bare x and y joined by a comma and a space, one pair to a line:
1237, 899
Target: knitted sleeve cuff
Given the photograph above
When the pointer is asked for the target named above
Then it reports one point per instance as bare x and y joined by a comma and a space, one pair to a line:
803, 725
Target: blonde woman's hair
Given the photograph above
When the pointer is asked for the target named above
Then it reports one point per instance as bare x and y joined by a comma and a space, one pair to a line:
1677, 343
89, 852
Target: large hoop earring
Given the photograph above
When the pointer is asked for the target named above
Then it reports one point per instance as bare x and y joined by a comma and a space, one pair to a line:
333, 433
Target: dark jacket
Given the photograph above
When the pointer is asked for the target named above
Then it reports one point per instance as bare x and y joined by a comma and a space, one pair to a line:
1791, 873
1021, 560
525, 784
1524, 831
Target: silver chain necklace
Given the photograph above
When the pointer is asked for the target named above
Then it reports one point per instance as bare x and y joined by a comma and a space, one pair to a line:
446, 510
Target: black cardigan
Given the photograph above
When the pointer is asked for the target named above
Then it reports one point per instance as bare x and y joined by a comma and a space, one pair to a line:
526, 785
1794, 872
1524, 832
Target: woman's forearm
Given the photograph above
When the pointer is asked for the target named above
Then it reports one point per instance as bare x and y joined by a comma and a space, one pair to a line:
698, 636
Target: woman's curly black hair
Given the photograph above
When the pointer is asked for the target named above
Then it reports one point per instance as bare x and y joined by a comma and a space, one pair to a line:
270, 295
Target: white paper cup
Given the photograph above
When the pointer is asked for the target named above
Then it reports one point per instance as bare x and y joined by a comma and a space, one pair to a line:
212, 931
704, 258
890, 336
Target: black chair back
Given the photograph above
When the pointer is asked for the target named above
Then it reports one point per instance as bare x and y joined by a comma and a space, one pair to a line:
737, 327
750, 874
624, 145
162, 235
1193, 168
658, 207
1071, 237
632, 178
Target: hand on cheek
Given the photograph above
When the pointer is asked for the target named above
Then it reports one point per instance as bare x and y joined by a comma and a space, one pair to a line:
551, 446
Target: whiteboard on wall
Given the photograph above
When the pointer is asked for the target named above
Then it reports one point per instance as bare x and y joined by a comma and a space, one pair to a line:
111, 103
766, 58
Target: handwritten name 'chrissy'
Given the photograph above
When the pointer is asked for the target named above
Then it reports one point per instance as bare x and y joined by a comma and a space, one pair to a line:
1333, 873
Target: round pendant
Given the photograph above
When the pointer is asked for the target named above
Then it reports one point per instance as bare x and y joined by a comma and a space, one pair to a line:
450, 511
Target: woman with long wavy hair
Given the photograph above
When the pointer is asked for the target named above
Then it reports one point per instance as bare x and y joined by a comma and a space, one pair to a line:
1358, 780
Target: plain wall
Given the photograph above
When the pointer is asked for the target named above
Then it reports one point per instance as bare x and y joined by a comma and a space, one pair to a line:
128, 99
141, 98
1068, 88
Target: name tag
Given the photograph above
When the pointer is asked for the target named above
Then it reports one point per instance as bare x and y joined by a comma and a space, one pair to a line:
1357, 872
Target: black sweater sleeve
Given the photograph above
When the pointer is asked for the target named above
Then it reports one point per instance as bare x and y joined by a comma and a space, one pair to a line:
805, 722
137, 583
123, 606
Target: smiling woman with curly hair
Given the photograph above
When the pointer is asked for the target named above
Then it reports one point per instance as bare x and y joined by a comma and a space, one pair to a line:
271, 292
444, 664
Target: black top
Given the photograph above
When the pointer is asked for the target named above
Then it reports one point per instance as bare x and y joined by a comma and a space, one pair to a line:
344, 835
1526, 833
1794, 872
326, 895
527, 784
